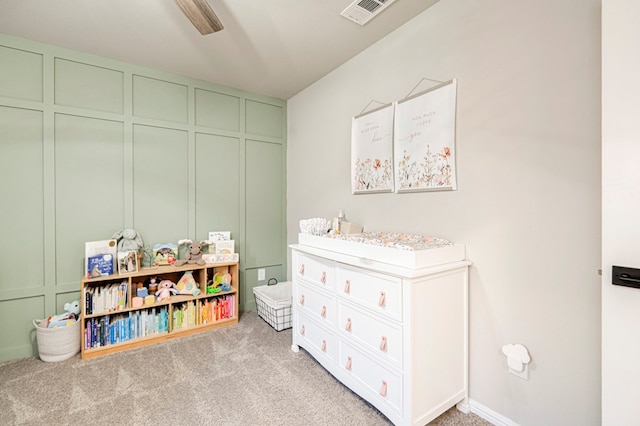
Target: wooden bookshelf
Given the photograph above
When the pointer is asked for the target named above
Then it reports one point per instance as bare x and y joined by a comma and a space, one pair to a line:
119, 326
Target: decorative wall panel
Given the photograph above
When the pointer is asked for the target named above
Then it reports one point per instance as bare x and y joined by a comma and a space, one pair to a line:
21, 75
87, 86
159, 99
217, 110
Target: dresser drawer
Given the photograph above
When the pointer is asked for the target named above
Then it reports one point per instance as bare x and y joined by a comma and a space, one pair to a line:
381, 383
381, 338
316, 339
316, 304
381, 293
315, 270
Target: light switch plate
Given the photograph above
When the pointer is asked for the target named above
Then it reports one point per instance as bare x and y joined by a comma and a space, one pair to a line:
261, 274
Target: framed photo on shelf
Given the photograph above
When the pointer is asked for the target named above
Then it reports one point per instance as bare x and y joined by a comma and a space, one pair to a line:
127, 262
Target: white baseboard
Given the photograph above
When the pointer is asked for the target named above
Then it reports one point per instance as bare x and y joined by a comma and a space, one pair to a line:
489, 415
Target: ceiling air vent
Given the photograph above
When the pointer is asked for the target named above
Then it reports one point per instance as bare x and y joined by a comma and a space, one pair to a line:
362, 11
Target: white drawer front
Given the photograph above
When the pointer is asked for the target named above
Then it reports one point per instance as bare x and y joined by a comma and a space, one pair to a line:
381, 338
315, 270
316, 304
379, 292
383, 384
316, 339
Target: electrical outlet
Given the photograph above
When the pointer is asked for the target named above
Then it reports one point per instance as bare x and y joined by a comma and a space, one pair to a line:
261, 274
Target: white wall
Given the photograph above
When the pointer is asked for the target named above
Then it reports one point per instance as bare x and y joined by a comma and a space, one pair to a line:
528, 203
620, 207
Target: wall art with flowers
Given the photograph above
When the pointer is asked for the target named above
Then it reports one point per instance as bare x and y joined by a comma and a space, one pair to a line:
424, 140
372, 151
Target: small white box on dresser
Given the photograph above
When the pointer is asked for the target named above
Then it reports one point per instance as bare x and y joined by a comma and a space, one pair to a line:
396, 335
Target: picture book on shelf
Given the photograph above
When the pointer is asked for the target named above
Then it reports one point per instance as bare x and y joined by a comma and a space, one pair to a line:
215, 237
165, 254
225, 247
99, 258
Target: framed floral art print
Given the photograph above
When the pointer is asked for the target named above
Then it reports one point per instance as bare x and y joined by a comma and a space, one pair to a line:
372, 151
424, 140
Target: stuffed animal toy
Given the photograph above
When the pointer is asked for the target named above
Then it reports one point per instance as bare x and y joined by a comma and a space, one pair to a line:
194, 254
73, 307
128, 239
69, 317
165, 288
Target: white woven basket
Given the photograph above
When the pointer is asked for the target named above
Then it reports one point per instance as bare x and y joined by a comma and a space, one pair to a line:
57, 344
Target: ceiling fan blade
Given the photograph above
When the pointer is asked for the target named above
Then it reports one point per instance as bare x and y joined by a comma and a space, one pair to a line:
201, 15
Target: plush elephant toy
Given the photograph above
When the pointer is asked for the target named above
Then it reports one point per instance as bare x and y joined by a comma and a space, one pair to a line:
128, 239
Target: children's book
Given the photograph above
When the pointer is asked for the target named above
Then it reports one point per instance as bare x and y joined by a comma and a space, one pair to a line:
99, 258
225, 247
165, 254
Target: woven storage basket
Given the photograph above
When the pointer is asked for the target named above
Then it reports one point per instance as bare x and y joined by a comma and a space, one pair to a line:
57, 344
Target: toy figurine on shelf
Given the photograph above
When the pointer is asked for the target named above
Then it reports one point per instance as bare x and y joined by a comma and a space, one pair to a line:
153, 284
165, 288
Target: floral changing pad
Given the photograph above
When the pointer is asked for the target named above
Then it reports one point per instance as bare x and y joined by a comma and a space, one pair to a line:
412, 242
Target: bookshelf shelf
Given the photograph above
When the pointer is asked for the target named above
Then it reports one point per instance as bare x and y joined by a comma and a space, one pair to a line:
121, 326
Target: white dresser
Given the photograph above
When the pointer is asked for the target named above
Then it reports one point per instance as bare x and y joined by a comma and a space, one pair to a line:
396, 336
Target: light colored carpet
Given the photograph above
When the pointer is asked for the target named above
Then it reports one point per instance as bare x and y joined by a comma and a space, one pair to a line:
239, 375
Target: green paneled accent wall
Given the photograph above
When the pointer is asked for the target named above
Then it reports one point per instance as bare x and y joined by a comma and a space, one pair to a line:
160, 183
89, 177
90, 146
87, 86
21, 75
21, 201
160, 99
264, 163
217, 110
217, 184
264, 119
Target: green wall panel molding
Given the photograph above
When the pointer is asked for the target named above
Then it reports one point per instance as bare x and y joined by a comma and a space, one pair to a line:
264, 204
95, 146
217, 110
264, 119
160, 100
18, 334
87, 86
89, 182
22, 74
160, 184
21, 195
217, 185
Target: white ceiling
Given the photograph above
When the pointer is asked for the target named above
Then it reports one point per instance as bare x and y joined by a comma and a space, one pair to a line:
270, 47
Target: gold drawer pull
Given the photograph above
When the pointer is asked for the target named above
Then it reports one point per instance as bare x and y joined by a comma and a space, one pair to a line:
382, 300
323, 278
383, 344
324, 346
302, 299
302, 330
348, 326
347, 287
383, 388
323, 314
348, 366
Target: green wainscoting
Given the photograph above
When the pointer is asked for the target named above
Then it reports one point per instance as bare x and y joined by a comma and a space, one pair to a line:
89, 146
